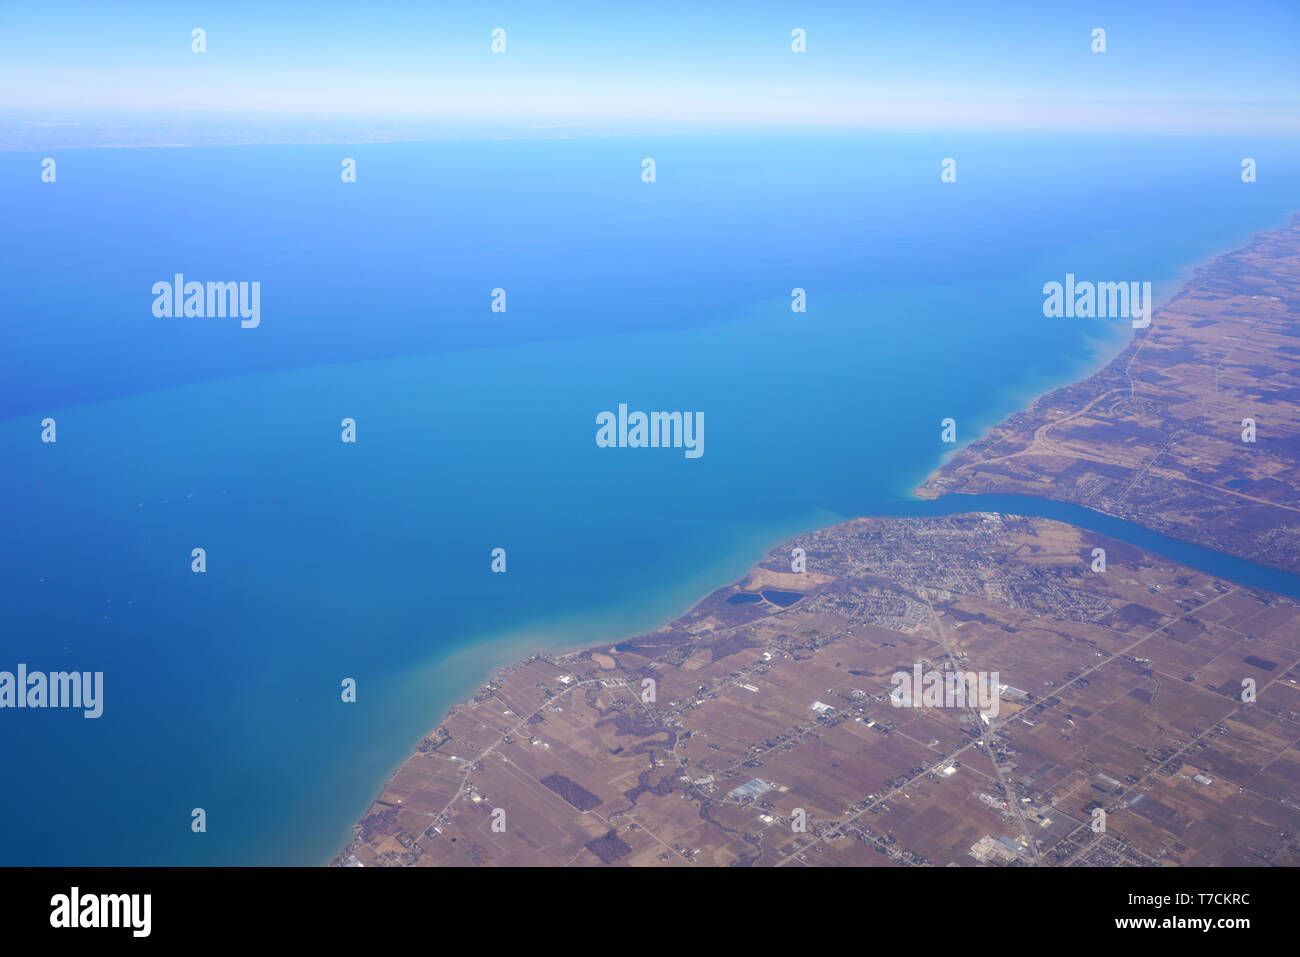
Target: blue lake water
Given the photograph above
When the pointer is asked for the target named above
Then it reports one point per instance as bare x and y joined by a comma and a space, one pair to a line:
476, 429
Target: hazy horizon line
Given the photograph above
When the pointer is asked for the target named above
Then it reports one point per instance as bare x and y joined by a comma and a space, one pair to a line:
24, 128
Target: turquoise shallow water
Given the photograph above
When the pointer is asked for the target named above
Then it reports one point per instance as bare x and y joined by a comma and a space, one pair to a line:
371, 561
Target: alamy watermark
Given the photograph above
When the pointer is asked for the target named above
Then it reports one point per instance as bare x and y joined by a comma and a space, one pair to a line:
946, 689
651, 430
1102, 300
129, 911
216, 300
58, 689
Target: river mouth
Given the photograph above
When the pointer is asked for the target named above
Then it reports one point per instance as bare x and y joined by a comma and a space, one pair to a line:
1207, 560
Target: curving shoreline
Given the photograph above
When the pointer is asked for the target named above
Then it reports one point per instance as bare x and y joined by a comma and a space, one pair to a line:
1099, 470
1156, 437
587, 772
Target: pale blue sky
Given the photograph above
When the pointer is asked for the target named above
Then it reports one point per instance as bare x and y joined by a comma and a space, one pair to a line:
1169, 66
